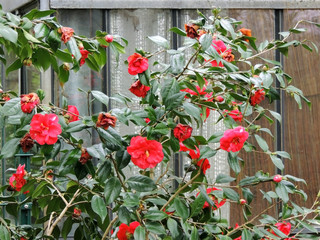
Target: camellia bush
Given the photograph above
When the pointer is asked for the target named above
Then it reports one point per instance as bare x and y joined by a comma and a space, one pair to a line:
85, 188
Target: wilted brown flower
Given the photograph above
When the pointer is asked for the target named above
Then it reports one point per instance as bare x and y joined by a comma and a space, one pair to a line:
85, 157
26, 142
105, 120
191, 30
228, 56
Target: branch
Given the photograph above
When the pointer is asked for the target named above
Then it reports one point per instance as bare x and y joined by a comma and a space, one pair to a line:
105, 235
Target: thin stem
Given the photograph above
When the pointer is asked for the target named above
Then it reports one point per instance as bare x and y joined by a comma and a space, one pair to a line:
188, 63
118, 174
105, 234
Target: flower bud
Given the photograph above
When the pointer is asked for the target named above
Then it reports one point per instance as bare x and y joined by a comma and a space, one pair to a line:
66, 66
277, 178
80, 46
109, 38
27, 62
243, 201
265, 68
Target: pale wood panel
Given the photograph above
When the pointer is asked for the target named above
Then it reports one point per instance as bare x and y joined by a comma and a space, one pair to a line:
302, 134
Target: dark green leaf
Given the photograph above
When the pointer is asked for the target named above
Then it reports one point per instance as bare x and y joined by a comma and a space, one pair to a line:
67, 225
282, 192
207, 152
101, 97
104, 170
178, 31
231, 194
112, 190
160, 41
155, 227
233, 162
246, 234
10, 148
262, 143
155, 215
14, 66
182, 210
197, 205
73, 48
141, 183
192, 109
139, 233
277, 162
173, 227
99, 207
222, 178
194, 234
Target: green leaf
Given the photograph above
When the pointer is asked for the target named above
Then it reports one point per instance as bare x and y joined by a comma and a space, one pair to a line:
276, 115
239, 97
10, 148
262, 143
4, 233
101, 97
155, 227
63, 75
11, 107
14, 66
181, 208
222, 178
160, 41
8, 33
282, 192
194, 234
277, 162
293, 178
155, 215
35, 13
141, 183
233, 162
145, 78
173, 227
99, 207
283, 154
205, 41
96, 151
73, 48
192, 109
207, 152
231, 194
64, 56
139, 233
178, 31
227, 26
308, 226
29, 37
67, 225
197, 205
297, 30
246, 235
124, 215
110, 137
112, 189
177, 63
104, 170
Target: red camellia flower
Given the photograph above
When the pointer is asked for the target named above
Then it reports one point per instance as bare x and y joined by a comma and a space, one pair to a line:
145, 153
182, 132
235, 114
67, 33
84, 56
17, 180
214, 199
195, 156
72, 114
126, 232
258, 97
5, 97
246, 32
183, 148
233, 139
137, 64
138, 89
45, 128
23, 238
221, 48
105, 120
147, 120
284, 227
29, 102
219, 99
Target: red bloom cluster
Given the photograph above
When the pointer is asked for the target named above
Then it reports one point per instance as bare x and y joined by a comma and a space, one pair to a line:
72, 114
84, 56
66, 33
137, 64
258, 97
235, 114
45, 128
182, 132
17, 180
145, 153
76, 212
233, 139
29, 102
214, 199
105, 120
225, 53
126, 232
138, 89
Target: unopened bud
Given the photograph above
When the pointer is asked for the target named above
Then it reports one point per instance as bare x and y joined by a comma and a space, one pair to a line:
27, 62
265, 68
109, 38
277, 178
80, 46
66, 66
243, 201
